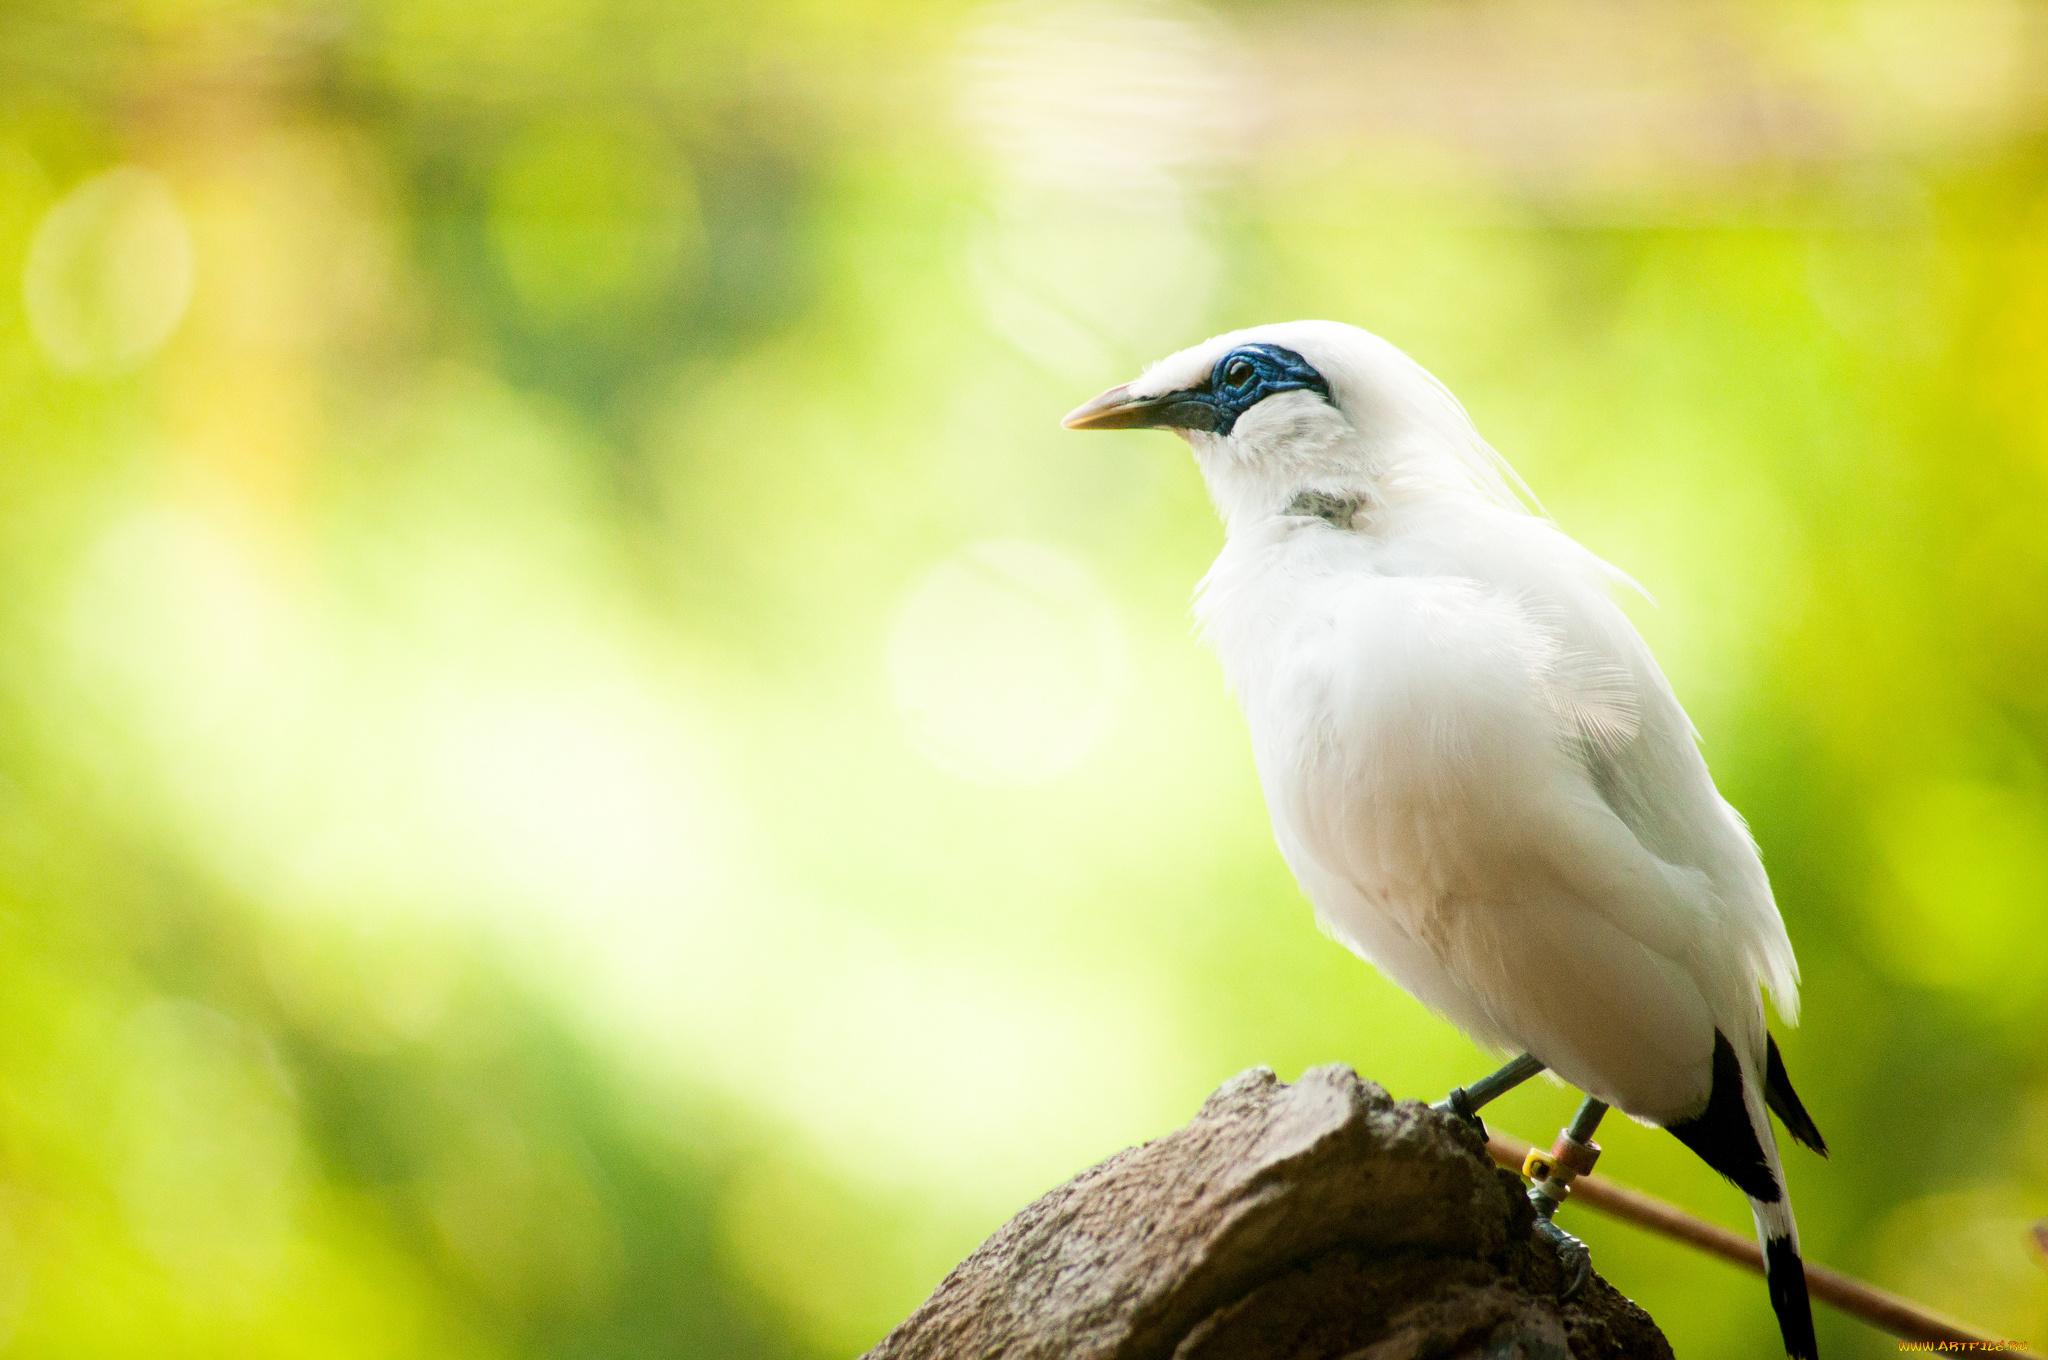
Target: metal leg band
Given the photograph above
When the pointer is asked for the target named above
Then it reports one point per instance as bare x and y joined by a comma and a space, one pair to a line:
1573, 1156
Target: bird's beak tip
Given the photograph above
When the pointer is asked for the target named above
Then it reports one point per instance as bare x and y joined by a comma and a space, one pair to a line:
1096, 414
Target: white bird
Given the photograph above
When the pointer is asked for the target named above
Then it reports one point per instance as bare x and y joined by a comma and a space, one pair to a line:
1474, 766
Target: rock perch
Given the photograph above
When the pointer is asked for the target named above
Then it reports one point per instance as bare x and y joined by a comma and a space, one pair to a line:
1317, 1221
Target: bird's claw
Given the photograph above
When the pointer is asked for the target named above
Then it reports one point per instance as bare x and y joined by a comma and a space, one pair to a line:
1459, 1104
1572, 1254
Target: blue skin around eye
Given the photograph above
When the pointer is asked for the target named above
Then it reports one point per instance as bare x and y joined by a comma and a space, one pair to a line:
1216, 405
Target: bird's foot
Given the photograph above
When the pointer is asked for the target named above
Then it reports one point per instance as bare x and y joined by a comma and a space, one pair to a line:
1459, 1103
1465, 1101
1572, 1254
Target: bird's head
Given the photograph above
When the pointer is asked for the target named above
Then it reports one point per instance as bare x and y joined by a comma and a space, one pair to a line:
1305, 408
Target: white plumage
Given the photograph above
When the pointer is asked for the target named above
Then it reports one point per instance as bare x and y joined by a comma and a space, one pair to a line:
1473, 764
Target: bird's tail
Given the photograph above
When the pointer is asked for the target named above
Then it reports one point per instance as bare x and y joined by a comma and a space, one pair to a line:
1734, 1136
1778, 1235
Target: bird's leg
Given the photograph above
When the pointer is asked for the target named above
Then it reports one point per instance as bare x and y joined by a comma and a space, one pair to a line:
1552, 1174
1465, 1101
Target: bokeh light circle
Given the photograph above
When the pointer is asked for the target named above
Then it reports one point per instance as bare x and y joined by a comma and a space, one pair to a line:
1007, 663
109, 272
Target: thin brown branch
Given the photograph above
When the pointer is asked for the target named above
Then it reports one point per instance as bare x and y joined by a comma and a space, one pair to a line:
1880, 1308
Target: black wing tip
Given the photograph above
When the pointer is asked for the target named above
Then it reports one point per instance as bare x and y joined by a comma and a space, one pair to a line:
1801, 1128
1785, 1102
1787, 1276
1722, 1136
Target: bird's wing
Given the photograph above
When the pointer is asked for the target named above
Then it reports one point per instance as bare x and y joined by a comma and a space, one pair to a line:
1498, 746
1432, 751
1642, 755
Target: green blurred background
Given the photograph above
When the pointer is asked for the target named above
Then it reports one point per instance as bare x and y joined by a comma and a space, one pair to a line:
585, 772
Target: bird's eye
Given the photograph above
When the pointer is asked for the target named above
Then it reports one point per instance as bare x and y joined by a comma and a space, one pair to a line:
1238, 372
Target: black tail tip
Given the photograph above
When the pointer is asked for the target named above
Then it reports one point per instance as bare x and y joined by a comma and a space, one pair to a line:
1787, 1276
